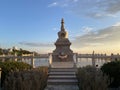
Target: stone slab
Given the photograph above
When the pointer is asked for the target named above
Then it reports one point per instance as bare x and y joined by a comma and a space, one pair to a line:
62, 87
62, 64
62, 82
63, 69
61, 73
62, 77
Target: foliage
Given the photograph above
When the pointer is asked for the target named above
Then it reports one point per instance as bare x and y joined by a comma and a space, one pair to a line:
10, 66
1, 51
20, 52
91, 78
112, 69
14, 51
35, 79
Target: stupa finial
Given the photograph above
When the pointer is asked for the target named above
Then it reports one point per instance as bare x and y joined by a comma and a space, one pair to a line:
62, 21
62, 25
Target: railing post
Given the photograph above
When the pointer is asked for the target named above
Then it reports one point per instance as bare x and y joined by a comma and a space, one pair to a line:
80, 57
75, 60
22, 59
93, 59
32, 60
3, 59
105, 58
0, 75
15, 57
50, 60
117, 56
112, 57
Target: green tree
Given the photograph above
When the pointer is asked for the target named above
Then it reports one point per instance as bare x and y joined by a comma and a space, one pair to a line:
112, 69
10, 66
1, 51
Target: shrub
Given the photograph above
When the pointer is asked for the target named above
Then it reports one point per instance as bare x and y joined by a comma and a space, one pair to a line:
10, 66
91, 78
112, 69
35, 79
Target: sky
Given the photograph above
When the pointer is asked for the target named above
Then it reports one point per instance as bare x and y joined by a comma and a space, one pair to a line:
33, 24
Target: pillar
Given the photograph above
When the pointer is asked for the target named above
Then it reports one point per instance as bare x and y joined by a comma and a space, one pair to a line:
50, 60
93, 59
32, 60
118, 56
0, 73
75, 60
112, 57
15, 57
3, 59
22, 59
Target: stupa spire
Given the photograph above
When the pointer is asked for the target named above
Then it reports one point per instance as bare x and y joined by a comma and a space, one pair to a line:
62, 25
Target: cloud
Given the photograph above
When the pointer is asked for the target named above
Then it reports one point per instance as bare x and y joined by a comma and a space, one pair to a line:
99, 9
82, 31
57, 4
53, 4
87, 29
94, 44
107, 8
102, 36
108, 36
117, 24
75, 0
90, 8
63, 3
55, 29
113, 6
99, 15
33, 44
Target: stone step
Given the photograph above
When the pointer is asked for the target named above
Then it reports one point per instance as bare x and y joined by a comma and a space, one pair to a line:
62, 82
62, 87
63, 69
61, 73
62, 77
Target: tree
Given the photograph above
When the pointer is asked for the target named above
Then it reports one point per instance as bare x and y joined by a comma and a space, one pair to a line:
112, 69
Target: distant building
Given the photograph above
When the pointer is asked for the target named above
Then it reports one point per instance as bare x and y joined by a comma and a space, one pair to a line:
10, 50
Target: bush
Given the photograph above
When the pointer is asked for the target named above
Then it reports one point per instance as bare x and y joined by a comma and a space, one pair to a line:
112, 69
8, 67
35, 79
91, 78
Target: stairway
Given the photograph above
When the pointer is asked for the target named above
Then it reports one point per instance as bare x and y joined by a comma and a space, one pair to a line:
62, 79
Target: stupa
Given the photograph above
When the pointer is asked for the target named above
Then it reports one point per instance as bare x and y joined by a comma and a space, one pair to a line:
62, 53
